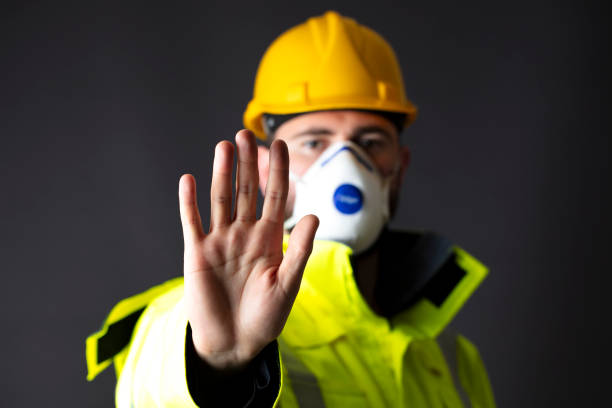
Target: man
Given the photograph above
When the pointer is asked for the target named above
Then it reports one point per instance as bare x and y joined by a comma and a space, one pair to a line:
368, 325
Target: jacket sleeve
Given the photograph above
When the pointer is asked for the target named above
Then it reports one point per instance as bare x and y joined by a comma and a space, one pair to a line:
162, 369
254, 387
473, 375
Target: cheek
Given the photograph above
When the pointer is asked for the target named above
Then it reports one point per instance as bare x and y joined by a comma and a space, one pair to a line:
386, 164
298, 166
290, 200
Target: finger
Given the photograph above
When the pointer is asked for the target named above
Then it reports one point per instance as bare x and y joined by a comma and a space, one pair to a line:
188, 205
278, 184
221, 186
247, 177
298, 251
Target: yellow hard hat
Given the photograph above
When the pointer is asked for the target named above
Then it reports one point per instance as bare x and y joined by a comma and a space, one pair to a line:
329, 62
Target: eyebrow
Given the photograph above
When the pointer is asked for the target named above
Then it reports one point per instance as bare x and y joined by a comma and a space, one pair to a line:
371, 129
314, 131
321, 131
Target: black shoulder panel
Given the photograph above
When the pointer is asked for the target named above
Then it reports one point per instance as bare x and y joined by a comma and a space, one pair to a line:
408, 262
118, 335
444, 281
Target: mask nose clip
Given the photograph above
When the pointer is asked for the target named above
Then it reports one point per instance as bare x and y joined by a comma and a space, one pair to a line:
351, 149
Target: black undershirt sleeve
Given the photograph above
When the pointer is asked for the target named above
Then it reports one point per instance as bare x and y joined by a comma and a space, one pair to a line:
256, 386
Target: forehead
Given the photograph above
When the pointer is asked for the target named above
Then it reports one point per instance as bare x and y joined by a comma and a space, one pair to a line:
340, 122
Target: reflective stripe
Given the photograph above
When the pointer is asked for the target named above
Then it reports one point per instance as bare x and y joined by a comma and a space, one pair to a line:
303, 383
447, 341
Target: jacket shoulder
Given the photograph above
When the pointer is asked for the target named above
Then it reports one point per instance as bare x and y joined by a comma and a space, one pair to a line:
109, 344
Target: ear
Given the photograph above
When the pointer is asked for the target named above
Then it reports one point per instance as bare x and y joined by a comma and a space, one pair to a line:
263, 164
405, 158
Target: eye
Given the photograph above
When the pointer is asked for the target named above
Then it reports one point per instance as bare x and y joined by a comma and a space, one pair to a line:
312, 144
369, 143
372, 143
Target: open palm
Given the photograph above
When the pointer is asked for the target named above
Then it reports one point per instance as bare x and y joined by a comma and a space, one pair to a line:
239, 288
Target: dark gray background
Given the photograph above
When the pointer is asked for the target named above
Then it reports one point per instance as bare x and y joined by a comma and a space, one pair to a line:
104, 105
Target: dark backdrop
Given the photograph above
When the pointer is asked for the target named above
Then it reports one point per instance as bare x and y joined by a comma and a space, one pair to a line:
104, 105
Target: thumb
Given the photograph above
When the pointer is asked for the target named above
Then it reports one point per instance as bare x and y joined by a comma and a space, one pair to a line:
298, 251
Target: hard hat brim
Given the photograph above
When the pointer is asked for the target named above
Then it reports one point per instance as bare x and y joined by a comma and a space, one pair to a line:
254, 113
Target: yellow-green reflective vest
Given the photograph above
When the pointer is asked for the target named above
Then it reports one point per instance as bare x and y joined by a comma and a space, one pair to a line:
335, 351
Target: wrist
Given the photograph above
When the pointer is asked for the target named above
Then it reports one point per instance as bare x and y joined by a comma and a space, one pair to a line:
230, 361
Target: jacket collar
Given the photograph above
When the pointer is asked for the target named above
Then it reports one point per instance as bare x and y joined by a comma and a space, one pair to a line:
423, 282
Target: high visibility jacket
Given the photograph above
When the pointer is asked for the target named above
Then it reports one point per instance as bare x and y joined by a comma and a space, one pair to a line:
335, 351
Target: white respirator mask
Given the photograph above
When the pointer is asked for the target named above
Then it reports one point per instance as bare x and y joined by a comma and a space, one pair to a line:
345, 190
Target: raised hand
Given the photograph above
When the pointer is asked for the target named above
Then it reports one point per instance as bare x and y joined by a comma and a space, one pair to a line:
239, 288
